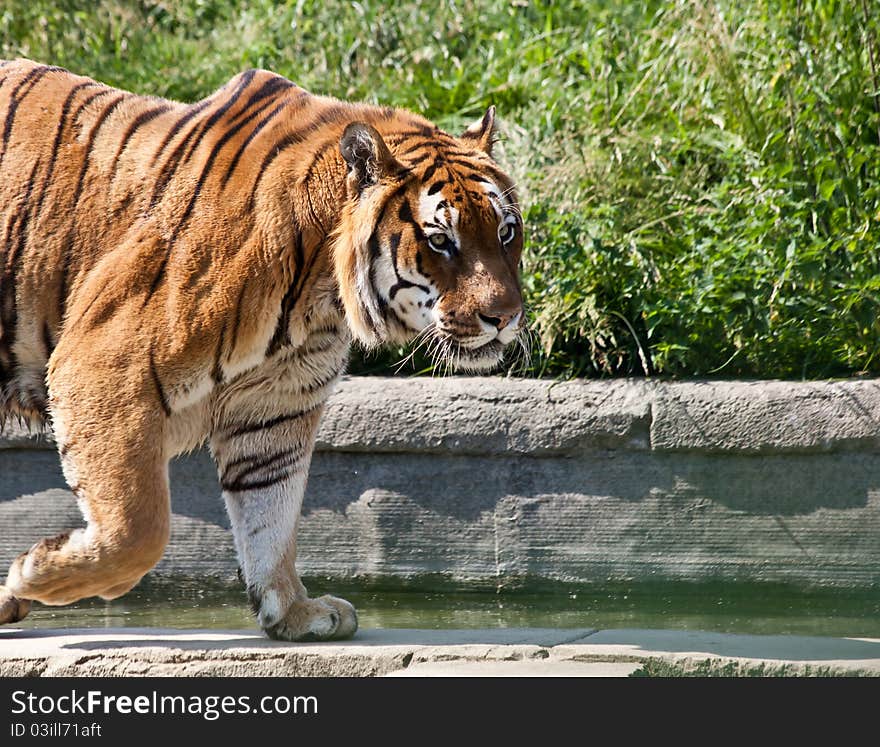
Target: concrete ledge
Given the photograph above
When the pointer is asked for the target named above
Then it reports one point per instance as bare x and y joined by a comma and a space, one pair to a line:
498, 483
495, 416
512, 652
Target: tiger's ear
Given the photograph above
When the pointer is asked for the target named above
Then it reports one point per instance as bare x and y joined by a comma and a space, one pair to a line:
367, 156
482, 132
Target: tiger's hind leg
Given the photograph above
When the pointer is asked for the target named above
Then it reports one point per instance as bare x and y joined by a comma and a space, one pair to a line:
120, 478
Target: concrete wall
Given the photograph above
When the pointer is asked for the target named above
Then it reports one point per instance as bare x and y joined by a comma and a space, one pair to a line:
499, 483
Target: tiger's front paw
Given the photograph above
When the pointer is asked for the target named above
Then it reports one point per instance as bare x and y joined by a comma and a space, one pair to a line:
323, 619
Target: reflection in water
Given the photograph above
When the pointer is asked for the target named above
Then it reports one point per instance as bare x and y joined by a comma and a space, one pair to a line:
760, 609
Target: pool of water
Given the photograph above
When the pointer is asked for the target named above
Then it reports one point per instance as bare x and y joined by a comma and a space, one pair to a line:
759, 609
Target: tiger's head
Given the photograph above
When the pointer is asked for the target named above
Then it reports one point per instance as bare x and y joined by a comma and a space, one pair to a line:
430, 242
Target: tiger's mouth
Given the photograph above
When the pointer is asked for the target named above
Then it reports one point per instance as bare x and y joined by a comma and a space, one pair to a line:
449, 353
454, 354
484, 358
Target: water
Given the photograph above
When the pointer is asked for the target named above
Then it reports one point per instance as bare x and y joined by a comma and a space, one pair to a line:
758, 609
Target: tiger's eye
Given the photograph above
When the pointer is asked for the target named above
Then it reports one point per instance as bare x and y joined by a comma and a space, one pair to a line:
506, 232
438, 241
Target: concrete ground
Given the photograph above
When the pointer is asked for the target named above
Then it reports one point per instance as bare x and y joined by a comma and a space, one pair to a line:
423, 653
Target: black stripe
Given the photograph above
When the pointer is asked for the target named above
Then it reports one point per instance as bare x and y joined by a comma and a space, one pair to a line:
394, 243
320, 348
418, 130
289, 140
8, 310
241, 487
320, 384
191, 111
269, 88
413, 147
404, 214
401, 282
436, 187
170, 167
63, 282
139, 121
430, 171
396, 193
312, 212
329, 116
90, 144
304, 277
248, 466
187, 213
33, 77
82, 107
245, 81
206, 169
494, 171
415, 161
217, 370
157, 279
327, 329
59, 133
163, 400
263, 425
373, 245
318, 155
420, 268
233, 338
241, 148
281, 335
12, 259
48, 343
281, 466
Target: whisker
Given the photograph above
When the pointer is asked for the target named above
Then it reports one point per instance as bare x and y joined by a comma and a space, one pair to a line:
417, 343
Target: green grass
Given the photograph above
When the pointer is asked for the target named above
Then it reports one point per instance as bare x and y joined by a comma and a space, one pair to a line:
701, 180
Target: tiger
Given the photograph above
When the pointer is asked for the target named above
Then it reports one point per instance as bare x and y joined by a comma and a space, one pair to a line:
175, 275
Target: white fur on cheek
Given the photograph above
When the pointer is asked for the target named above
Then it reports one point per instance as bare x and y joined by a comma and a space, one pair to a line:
413, 307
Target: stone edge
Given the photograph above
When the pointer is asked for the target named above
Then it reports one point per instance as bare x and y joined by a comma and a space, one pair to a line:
497, 416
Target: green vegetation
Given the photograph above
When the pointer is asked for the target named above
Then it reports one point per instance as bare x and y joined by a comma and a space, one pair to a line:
699, 179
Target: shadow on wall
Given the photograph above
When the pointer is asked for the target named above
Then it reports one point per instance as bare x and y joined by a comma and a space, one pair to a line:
464, 487
613, 514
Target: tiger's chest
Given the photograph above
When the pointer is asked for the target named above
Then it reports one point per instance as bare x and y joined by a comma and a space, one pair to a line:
298, 376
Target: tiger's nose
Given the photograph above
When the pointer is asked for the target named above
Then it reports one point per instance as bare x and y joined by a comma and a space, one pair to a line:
501, 319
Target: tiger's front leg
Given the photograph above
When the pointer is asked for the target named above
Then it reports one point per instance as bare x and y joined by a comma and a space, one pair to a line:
263, 456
